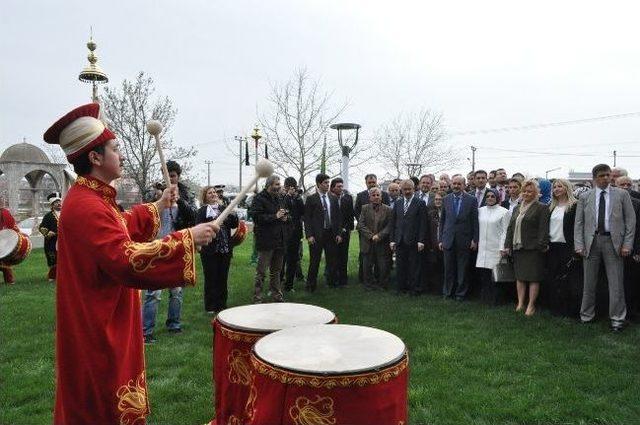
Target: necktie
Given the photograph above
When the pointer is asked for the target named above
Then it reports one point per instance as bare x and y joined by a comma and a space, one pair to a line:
406, 205
602, 210
501, 192
457, 204
479, 196
325, 207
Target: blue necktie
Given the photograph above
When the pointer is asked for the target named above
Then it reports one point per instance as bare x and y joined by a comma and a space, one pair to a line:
457, 204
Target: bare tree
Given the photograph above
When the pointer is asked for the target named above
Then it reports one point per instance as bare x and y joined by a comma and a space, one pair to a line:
127, 111
295, 123
416, 138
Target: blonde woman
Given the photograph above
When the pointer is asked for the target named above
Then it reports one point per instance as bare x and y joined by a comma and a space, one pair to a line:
216, 257
564, 275
527, 241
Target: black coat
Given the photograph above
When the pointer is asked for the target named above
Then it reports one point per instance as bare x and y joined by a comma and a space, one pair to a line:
362, 198
186, 208
295, 205
347, 211
270, 232
412, 227
49, 224
223, 237
568, 223
314, 216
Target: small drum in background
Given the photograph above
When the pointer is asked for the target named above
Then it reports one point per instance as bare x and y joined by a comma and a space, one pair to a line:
239, 234
235, 331
339, 374
14, 247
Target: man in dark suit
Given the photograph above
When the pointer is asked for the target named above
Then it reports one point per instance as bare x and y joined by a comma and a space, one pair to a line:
458, 238
424, 194
323, 226
345, 202
362, 198
408, 237
479, 187
513, 194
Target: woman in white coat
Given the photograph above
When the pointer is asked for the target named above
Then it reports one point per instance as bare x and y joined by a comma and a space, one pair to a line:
493, 220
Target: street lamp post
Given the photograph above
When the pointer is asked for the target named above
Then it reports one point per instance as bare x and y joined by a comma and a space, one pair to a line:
414, 169
546, 173
256, 136
346, 149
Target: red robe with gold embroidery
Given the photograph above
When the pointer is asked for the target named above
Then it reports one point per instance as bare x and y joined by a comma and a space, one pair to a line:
104, 256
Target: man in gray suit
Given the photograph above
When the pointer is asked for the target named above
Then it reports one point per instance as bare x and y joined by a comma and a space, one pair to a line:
604, 230
374, 225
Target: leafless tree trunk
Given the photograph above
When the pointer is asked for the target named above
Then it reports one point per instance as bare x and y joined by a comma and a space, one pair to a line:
127, 111
295, 122
416, 138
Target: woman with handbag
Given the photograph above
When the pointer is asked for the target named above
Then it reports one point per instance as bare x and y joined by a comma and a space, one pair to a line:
527, 241
216, 257
563, 270
493, 220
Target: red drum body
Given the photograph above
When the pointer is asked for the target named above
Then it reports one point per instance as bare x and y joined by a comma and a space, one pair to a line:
339, 374
236, 330
14, 247
239, 234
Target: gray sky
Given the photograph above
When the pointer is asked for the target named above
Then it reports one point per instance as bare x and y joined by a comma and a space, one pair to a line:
485, 65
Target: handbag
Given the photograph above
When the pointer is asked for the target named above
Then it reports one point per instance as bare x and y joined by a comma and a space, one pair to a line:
503, 271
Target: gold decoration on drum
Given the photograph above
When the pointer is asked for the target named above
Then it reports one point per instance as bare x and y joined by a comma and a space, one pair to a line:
249, 408
239, 370
316, 412
329, 382
132, 401
239, 336
143, 255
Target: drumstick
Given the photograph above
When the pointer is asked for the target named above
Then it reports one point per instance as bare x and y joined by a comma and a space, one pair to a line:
154, 127
264, 168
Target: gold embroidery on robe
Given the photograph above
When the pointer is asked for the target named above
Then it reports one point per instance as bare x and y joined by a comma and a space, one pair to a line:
239, 370
316, 412
132, 401
189, 265
240, 336
234, 420
155, 215
142, 256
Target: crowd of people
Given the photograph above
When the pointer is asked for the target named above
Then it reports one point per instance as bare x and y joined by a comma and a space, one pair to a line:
462, 237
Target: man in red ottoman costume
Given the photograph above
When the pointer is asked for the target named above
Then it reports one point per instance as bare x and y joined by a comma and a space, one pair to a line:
104, 257
7, 222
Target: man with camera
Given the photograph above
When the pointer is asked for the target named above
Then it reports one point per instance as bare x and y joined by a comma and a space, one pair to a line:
271, 229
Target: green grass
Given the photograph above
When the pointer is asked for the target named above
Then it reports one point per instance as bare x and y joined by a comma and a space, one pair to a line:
470, 364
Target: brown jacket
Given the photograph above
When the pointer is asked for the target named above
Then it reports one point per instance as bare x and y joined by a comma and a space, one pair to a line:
373, 222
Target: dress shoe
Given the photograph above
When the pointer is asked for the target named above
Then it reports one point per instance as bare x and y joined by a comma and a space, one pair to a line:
617, 328
150, 339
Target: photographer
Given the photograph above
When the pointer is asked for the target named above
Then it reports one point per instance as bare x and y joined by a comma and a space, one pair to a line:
271, 220
295, 205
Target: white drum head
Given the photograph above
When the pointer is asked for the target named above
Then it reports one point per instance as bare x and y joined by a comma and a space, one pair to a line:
8, 242
332, 349
274, 316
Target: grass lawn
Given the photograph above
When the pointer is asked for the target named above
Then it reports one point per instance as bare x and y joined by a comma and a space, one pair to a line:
470, 364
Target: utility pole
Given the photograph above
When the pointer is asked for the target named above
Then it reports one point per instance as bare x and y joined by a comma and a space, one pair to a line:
208, 172
473, 158
615, 157
240, 140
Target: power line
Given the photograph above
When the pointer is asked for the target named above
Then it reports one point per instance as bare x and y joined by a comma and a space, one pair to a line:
545, 125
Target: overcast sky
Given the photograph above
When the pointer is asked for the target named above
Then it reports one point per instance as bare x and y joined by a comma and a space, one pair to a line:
484, 65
